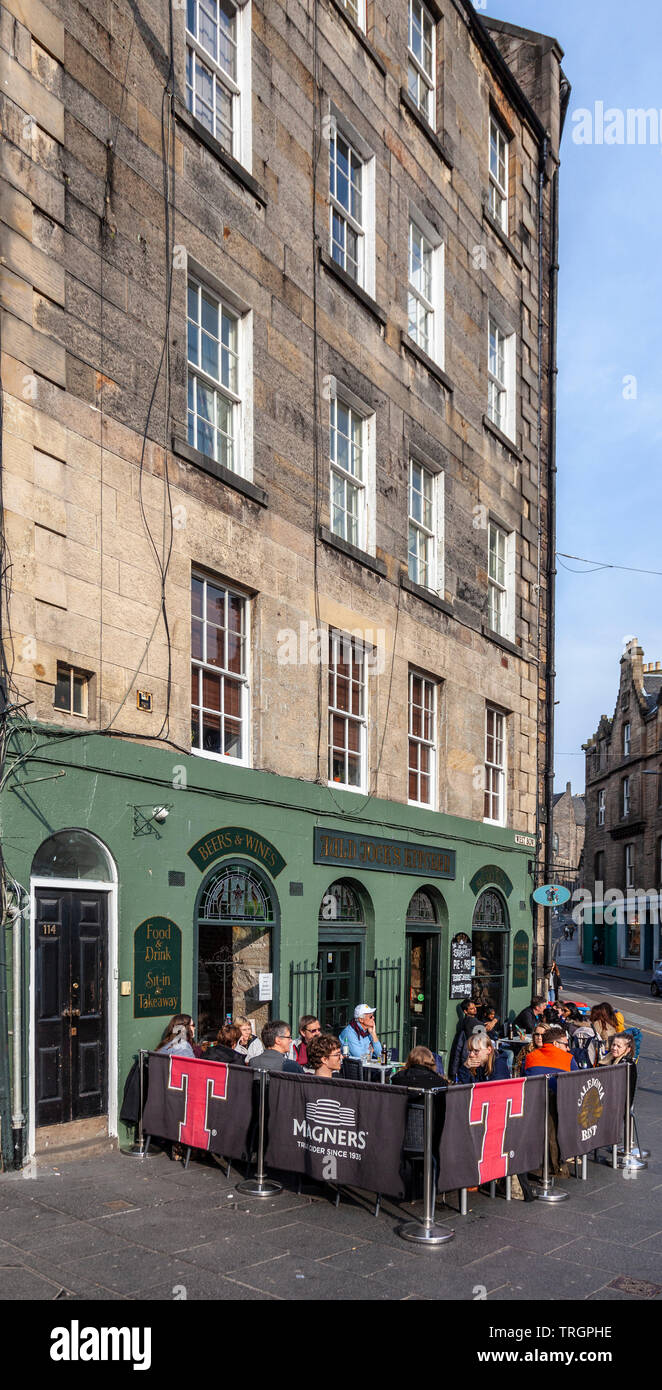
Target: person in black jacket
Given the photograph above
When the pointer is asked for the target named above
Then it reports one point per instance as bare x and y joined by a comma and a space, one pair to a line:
420, 1070
223, 1049
465, 1027
527, 1018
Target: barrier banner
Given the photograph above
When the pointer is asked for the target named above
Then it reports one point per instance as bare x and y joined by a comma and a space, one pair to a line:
491, 1130
337, 1131
204, 1104
590, 1108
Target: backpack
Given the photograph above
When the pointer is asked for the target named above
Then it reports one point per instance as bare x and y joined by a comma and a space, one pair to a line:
636, 1035
583, 1049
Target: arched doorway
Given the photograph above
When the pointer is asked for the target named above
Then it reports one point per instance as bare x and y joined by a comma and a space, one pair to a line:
489, 944
341, 964
236, 915
422, 971
73, 1027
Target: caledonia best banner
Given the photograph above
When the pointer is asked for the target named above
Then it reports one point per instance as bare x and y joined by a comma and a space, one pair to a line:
491, 1130
337, 1131
203, 1104
591, 1109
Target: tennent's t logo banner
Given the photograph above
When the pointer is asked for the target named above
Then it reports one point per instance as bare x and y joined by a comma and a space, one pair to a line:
201, 1081
493, 1104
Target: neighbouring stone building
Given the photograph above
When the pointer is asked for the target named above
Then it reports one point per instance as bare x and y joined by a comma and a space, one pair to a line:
568, 827
623, 845
278, 508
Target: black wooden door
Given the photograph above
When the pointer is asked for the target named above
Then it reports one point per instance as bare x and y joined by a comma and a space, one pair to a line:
71, 1005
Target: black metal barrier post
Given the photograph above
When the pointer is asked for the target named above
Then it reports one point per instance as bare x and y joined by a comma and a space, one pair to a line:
548, 1192
138, 1148
629, 1161
426, 1232
260, 1185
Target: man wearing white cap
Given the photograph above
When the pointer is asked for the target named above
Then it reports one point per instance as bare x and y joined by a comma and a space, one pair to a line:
360, 1036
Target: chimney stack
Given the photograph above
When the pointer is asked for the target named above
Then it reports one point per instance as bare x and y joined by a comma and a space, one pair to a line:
568, 786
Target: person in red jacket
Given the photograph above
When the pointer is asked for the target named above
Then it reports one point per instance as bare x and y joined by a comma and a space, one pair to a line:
552, 1058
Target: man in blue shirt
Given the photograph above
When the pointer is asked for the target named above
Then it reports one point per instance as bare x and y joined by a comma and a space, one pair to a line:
360, 1036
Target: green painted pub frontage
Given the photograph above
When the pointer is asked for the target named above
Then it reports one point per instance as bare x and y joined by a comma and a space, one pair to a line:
153, 882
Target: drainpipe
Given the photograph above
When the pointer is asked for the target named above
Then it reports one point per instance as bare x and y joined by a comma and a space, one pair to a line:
6, 1151
551, 559
18, 1118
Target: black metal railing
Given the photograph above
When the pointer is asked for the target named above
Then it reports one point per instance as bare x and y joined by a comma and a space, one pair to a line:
388, 994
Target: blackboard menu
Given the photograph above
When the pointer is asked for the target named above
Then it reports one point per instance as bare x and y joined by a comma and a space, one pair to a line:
461, 966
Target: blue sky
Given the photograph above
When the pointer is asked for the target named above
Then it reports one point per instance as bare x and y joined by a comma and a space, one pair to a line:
610, 295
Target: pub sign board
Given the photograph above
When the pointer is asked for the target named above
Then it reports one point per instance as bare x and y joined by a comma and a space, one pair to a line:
157, 968
388, 856
236, 839
461, 966
520, 960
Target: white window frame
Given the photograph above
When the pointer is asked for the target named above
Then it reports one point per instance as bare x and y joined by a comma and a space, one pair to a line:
501, 378
434, 534
73, 671
627, 799
629, 866
356, 11
342, 644
421, 78
363, 227
243, 678
496, 772
627, 740
602, 805
419, 741
241, 398
501, 594
432, 305
238, 88
366, 486
498, 182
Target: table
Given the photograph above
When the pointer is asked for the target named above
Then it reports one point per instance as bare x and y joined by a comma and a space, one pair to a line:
376, 1071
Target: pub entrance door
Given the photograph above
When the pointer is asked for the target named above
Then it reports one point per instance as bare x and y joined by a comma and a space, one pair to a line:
422, 965
339, 964
71, 1008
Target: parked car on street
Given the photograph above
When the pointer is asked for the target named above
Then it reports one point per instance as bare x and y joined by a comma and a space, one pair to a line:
656, 982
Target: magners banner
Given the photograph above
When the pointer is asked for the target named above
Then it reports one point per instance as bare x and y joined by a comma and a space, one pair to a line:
337, 1131
203, 1104
491, 1130
591, 1109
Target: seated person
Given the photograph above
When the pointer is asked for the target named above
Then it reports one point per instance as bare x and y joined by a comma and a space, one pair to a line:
537, 1040
420, 1070
179, 1037
309, 1028
490, 1022
223, 1049
276, 1042
528, 1018
466, 1024
324, 1055
553, 1056
622, 1050
245, 1035
483, 1062
360, 1036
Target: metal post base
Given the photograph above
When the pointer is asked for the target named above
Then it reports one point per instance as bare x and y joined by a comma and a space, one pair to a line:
631, 1163
638, 1153
425, 1235
552, 1194
138, 1151
256, 1187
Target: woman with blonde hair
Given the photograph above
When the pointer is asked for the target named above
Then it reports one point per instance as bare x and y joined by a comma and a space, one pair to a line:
482, 1063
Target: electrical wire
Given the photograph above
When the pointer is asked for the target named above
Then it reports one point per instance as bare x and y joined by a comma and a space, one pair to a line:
602, 565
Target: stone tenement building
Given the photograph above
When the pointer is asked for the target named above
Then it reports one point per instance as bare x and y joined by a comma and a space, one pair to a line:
567, 836
623, 846
278, 335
